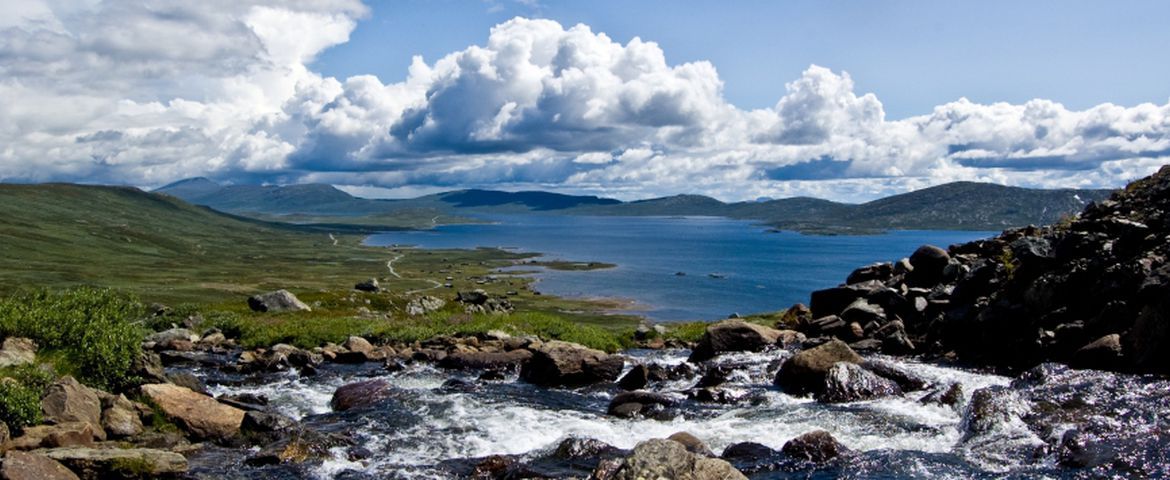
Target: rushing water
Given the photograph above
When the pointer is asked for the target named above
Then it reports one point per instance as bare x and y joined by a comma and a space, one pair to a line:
728, 266
430, 425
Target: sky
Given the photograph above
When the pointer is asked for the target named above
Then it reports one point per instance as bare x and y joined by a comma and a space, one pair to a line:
629, 99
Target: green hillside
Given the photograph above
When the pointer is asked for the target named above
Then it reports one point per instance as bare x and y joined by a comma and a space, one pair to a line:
161, 247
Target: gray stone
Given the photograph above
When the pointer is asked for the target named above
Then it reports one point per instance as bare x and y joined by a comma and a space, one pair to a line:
277, 302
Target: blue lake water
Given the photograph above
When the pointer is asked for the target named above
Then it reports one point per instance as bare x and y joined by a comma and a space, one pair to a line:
758, 270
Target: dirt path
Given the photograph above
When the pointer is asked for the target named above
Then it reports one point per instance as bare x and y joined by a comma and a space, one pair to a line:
390, 265
331, 237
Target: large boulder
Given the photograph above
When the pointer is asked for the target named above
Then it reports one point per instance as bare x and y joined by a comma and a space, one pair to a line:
198, 414
134, 463
370, 285
557, 363
17, 351
360, 394
816, 446
738, 336
805, 372
668, 459
31, 466
277, 302
848, 382
67, 400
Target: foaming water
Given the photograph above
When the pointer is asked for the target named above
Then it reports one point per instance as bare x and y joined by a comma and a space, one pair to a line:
427, 423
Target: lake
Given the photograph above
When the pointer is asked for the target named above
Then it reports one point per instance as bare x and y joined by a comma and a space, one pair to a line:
681, 268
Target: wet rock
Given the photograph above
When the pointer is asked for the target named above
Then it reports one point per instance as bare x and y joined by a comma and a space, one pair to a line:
640, 403
244, 401
660, 459
693, 444
360, 395
255, 421
715, 376
848, 382
370, 285
635, 379
737, 336
908, 381
198, 414
499, 361
950, 395
816, 446
279, 301
31, 466
106, 463
574, 448
805, 372
424, 305
67, 400
557, 363
862, 312
17, 351
746, 451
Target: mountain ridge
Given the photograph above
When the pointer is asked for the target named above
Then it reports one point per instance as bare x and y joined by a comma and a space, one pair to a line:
951, 206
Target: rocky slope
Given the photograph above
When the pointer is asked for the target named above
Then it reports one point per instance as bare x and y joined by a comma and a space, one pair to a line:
1090, 291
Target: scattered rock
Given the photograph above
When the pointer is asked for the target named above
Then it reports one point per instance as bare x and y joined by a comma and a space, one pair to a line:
31, 466
805, 372
848, 382
173, 339
906, 380
950, 395
277, 302
558, 363
816, 446
360, 395
17, 351
574, 448
198, 414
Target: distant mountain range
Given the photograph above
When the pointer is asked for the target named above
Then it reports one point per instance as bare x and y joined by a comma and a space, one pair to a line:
953, 206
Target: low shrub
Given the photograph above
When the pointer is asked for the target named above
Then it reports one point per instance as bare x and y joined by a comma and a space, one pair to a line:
96, 331
21, 389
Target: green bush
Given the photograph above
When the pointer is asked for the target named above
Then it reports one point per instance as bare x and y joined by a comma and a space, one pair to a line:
96, 331
21, 389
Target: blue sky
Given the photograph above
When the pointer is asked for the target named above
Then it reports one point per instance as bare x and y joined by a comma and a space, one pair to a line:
912, 54
738, 100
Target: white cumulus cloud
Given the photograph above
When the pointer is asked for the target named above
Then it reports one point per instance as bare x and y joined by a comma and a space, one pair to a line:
148, 92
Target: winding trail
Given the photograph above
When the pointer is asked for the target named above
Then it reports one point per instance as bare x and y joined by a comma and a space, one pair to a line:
436, 285
390, 265
331, 237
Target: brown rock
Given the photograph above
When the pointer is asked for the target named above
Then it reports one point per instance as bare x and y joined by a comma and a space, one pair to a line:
199, 414
50, 436
805, 372
557, 363
67, 400
735, 336
106, 463
359, 394
17, 351
30, 466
